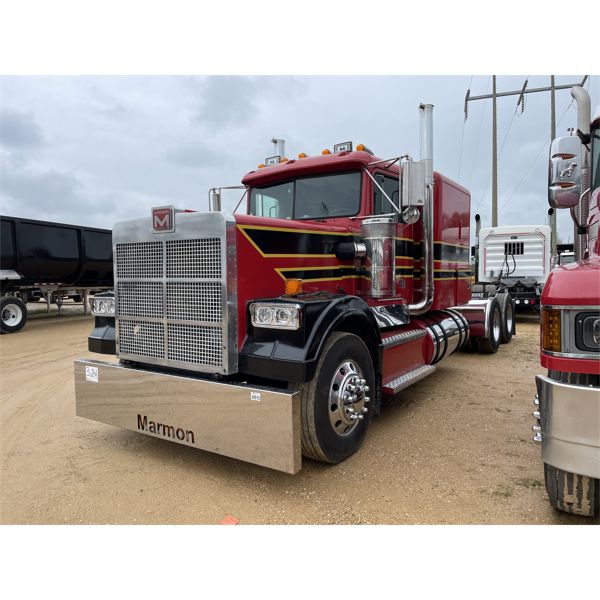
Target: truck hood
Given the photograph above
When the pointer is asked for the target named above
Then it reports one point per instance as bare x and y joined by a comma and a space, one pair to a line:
575, 283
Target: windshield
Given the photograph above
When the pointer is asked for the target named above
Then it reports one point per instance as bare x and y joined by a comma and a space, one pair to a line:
320, 197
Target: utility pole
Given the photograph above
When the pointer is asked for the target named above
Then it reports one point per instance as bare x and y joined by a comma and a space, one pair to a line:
520, 101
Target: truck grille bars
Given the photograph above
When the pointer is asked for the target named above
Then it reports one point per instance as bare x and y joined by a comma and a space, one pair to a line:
172, 304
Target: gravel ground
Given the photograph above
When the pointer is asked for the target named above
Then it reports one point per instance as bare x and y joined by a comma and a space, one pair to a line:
455, 448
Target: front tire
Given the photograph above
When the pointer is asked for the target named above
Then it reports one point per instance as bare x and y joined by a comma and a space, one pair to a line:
335, 408
13, 313
572, 493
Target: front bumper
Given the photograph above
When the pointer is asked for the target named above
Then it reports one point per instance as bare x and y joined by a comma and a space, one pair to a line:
570, 426
258, 425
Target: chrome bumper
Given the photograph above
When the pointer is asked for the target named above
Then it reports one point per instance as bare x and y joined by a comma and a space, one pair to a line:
258, 425
570, 426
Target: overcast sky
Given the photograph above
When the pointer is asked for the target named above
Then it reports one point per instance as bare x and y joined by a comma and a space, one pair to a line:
97, 150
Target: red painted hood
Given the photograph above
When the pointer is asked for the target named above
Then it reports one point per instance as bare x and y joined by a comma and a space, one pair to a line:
574, 283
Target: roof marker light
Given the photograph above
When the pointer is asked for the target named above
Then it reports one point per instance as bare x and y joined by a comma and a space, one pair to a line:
360, 147
326, 151
282, 160
261, 166
302, 155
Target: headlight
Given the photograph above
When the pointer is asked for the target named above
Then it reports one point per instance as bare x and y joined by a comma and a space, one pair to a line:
551, 330
275, 316
103, 307
587, 331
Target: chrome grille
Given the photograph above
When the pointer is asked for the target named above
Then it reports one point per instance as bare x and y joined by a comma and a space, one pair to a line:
140, 338
140, 299
197, 259
195, 344
172, 305
194, 301
140, 259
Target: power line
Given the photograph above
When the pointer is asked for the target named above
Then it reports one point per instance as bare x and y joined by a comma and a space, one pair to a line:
478, 134
545, 145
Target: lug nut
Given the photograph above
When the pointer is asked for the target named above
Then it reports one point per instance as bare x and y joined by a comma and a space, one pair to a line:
354, 417
359, 417
536, 414
363, 381
536, 428
366, 388
365, 410
536, 401
351, 388
367, 399
537, 438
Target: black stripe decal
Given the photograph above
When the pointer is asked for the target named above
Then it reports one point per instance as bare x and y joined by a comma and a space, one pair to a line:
273, 241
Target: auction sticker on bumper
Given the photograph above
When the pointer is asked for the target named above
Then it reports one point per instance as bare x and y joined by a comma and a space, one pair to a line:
91, 374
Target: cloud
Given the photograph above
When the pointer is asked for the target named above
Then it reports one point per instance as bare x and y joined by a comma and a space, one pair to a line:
196, 155
19, 130
50, 194
226, 101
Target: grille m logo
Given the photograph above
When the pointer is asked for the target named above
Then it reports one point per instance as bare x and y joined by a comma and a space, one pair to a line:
163, 219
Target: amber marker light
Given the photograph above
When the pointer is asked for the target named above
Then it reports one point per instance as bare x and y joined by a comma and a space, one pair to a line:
551, 330
293, 287
282, 160
360, 147
302, 155
261, 166
326, 151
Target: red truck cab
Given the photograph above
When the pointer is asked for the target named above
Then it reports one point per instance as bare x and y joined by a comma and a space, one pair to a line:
568, 397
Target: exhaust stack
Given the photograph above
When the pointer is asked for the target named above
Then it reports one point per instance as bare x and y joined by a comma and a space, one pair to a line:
426, 123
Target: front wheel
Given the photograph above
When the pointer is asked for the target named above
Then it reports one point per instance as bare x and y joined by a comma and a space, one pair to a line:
13, 314
572, 493
335, 403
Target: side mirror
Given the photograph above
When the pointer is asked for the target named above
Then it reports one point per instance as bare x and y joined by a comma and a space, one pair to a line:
413, 183
564, 172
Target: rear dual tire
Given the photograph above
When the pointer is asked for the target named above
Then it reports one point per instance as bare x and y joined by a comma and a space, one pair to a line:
491, 343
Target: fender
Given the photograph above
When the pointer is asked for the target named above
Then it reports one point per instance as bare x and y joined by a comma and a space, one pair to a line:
293, 355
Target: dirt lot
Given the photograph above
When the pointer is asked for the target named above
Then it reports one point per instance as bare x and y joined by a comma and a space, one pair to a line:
456, 449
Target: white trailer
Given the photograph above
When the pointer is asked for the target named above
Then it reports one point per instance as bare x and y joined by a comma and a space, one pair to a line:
517, 259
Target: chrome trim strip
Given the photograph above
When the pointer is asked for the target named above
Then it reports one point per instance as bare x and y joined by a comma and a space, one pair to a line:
403, 338
570, 426
578, 307
404, 381
260, 425
591, 355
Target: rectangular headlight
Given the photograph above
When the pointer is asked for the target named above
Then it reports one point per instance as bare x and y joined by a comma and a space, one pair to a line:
551, 330
103, 307
587, 330
275, 316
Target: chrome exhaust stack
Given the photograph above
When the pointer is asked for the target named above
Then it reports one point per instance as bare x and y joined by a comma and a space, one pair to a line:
426, 126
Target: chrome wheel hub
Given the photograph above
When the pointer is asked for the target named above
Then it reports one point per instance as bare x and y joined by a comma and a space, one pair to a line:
347, 398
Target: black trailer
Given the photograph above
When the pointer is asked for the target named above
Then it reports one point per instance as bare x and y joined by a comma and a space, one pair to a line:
53, 260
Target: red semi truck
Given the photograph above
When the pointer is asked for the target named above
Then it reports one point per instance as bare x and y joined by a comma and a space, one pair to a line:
280, 332
568, 399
